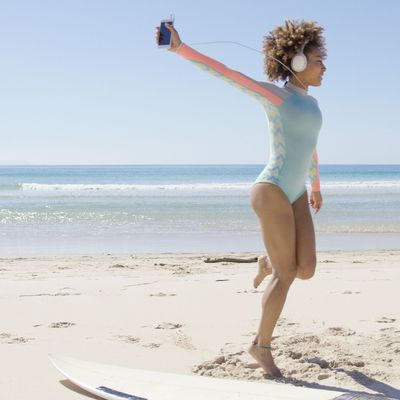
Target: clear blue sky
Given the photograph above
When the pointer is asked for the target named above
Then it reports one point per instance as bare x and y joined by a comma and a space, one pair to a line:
83, 82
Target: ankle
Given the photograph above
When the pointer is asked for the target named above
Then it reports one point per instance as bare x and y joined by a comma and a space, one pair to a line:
262, 346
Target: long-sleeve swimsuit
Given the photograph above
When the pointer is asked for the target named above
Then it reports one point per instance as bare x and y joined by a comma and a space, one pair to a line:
294, 124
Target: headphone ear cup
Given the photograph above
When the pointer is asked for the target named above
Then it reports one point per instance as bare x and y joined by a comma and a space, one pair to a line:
299, 62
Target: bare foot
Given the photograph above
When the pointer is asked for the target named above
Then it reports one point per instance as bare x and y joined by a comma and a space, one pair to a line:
264, 269
264, 358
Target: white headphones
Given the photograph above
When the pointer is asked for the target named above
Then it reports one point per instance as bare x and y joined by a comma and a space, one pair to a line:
299, 61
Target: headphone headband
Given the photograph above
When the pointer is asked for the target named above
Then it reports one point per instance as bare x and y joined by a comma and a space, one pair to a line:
301, 51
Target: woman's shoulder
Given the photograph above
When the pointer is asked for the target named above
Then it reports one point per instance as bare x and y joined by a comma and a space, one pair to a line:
281, 92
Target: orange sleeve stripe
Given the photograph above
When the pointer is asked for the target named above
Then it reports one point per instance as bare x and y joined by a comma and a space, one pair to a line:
316, 186
193, 55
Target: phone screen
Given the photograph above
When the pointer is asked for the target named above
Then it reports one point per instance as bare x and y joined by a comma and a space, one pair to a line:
165, 34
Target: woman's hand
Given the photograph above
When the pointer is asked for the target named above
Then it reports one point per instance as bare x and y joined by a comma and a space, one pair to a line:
316, 201
175, 39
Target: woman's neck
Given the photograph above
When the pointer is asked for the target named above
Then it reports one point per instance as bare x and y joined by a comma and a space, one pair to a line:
295, 82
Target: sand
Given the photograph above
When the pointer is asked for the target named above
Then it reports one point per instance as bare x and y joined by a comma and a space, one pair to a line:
169, 312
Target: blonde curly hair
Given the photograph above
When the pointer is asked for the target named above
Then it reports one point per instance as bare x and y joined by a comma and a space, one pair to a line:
285, 41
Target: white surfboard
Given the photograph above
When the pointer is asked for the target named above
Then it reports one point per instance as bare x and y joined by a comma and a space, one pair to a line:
119, 383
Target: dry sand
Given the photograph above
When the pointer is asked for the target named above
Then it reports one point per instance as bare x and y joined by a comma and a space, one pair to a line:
339, 330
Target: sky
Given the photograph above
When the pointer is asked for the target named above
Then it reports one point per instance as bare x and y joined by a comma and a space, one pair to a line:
83, 82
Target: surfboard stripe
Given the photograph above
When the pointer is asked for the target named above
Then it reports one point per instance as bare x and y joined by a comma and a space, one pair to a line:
121, 395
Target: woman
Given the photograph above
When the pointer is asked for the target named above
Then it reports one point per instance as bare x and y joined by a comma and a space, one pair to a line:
278, 195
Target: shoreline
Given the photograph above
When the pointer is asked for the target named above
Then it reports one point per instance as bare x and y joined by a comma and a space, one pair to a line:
185, 243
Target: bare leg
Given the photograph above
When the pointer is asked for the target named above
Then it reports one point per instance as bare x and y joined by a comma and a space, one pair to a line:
277, 222
306, 258
264, 269
305, 244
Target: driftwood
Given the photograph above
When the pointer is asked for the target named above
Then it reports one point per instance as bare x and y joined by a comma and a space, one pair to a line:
229, 259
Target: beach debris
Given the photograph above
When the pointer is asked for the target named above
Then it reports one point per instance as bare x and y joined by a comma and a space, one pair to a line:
231, 259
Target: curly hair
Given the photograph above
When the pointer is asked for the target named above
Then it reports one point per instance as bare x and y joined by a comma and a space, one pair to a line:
285, 41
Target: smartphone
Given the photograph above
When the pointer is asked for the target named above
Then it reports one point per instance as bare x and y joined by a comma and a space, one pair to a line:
165, 34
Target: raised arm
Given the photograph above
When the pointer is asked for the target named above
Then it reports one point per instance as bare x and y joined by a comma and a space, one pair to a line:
313, 173
262, 91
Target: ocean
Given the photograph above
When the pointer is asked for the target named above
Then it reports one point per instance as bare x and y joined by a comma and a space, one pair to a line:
128, 209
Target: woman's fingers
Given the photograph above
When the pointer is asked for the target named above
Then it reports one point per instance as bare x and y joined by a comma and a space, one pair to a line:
175, 39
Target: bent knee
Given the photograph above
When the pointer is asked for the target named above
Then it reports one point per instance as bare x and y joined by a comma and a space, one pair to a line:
286, 277
306, 272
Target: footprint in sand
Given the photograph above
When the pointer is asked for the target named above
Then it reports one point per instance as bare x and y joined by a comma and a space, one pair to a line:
116, 266
168, 325
320, 361
128, 339
231, 365
161, 294
152, 345
61, 324
67, 294
49, 294
8, 338
386, 320
389, 329
339, 331
183, 341
303, 338
295, 355
250, 291
356, 363
181, 271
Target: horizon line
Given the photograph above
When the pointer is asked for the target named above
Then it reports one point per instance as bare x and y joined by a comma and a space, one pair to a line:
161, 164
